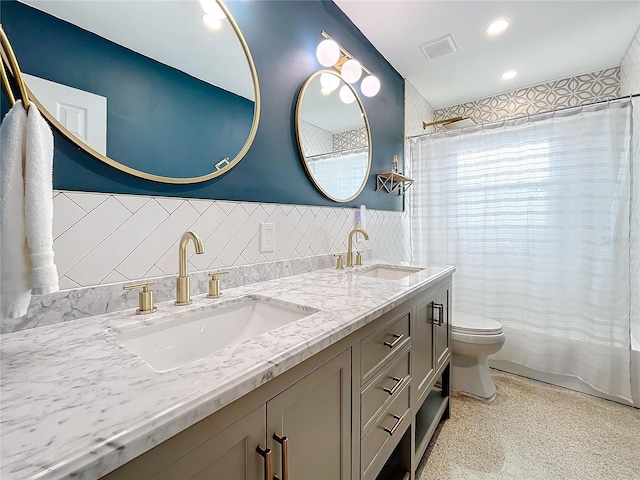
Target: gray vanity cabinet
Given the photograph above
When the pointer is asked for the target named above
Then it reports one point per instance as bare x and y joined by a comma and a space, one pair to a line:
213, 448
423, 366
314, 416
228, 454
359, 409
440, 315
311, 408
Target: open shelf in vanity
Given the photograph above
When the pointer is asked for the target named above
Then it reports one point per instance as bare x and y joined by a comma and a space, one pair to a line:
429, 415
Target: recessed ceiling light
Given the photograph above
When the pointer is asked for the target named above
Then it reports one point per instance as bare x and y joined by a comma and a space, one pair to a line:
497, 27
508, 75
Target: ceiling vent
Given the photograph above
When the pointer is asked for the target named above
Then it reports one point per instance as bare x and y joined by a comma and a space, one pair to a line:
438, 47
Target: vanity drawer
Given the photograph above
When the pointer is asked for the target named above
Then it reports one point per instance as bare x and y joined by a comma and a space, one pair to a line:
380, 345
383, 390
378, 443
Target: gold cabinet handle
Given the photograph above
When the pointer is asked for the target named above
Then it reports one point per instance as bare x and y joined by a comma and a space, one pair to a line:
214, 284
266, 454
394, 389
393, 429
395, 342
284, 441
145, 297
440, 308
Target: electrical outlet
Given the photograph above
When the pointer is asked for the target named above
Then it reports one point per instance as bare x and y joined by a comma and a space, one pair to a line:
267, 237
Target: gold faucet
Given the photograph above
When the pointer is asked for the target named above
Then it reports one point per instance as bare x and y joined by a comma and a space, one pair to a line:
183, 294
350, 250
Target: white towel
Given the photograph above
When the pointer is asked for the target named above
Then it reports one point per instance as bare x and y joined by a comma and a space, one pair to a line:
15, 285
39, 203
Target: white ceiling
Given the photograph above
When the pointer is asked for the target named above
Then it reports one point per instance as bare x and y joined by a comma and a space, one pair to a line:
546, 40
168, 31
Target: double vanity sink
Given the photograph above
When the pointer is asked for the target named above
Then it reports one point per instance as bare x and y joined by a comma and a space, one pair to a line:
84, 397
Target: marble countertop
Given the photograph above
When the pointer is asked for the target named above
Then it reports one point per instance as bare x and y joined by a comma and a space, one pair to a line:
76, 402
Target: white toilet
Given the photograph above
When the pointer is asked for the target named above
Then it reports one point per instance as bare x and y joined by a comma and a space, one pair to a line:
474, 338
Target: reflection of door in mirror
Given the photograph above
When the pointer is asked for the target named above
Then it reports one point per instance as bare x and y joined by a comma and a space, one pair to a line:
333, 136
181, 92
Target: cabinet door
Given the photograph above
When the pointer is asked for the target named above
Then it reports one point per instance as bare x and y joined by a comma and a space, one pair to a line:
422, 349
314, 415
230, 454
442, 328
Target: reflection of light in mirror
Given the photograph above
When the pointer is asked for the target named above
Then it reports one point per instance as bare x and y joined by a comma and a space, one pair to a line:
211, 22
325, 91
370, 86
509, 75
212, 9
351, 70
329, 82
346, 95
327, 53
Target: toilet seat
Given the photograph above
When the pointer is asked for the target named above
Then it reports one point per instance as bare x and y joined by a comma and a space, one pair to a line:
476, 325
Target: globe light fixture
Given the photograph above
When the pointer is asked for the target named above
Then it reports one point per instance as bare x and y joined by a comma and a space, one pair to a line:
329, 82
346, 95
328, 53
370, 86
351, 70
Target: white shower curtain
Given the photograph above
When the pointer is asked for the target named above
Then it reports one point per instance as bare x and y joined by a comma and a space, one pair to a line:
535, 215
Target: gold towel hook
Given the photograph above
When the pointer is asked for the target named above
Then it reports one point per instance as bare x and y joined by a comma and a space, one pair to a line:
12, 63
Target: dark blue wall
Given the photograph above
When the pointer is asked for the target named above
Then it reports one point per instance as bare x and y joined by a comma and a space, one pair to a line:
282, 37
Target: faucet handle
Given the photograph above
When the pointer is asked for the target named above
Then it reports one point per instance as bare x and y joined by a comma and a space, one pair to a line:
339, 261
214, 284
358, 258
145, 297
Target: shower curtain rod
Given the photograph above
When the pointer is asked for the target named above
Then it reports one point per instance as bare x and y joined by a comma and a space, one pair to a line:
483, 124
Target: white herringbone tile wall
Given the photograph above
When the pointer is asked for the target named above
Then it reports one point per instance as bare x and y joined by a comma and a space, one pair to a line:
416, 111
103, 238
630, 67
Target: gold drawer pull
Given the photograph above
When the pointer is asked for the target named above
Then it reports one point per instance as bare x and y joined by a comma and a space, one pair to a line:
394, 389
440, 308
393, 429
266, 454
395, 342
284, 441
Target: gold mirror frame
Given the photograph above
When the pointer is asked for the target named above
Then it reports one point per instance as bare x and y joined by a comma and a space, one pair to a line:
299, 141
159, 178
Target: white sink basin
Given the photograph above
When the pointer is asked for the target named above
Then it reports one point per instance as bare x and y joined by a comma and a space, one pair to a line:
189, 336
388, 272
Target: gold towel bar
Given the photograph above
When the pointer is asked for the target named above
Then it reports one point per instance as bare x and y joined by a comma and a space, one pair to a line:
9, 59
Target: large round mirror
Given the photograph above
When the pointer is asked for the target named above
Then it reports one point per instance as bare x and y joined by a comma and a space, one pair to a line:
162, 89
333, 134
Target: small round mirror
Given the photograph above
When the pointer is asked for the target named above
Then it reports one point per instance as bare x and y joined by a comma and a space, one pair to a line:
333, 135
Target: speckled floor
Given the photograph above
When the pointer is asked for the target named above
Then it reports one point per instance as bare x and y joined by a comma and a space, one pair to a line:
535, 431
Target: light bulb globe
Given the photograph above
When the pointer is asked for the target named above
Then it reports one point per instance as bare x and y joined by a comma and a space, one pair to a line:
327, 53
346, 95
370, 86
329, 82
351, 71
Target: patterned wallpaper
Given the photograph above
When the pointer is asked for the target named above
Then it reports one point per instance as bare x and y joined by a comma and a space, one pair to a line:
567, 92
131, 237
630, 67
350, 139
